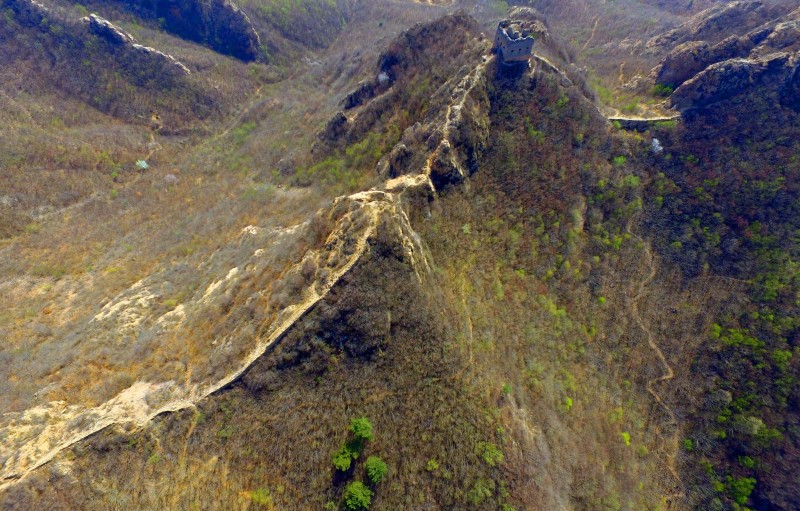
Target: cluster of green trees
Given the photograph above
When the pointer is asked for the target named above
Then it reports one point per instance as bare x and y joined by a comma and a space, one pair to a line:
357, 494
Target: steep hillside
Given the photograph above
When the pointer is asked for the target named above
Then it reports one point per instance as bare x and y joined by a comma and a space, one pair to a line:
724, 209
400, 275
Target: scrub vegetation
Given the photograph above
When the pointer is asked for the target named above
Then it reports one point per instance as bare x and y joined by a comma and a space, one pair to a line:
379, 270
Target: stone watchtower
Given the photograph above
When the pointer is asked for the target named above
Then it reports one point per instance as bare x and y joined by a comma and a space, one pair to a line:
513, 43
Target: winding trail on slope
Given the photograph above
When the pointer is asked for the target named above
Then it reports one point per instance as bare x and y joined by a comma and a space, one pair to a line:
468, 84
668, 373
594, 30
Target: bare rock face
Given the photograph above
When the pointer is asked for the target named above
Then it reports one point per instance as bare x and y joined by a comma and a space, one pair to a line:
365, 91
111, 33
785, 35
533, 22
229, 30
682, 63
141, 61
790, 94
131, 55
712, 24
399, 160
690, 58
732, 47
218, 24
335, 128
747, 78
445, 170
405, 52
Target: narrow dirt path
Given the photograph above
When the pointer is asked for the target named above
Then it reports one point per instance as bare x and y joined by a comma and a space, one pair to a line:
673, 442
594, 31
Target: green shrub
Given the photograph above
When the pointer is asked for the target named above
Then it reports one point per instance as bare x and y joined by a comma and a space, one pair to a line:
361, 429
747, 462
226, 432
240, 133
662, 90
631, 181
480, 491
665, 125
432, 465
740, 488
343, 458
781, 358
490, 453
357, 497
261, 497
631, 108
376, 469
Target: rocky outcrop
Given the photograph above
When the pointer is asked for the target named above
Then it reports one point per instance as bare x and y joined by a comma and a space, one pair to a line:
784, 36
218, 24
446, 144
365, 91
790, 94
407, 52
227, 29
682, 63
533, 22
746, 78
712, 24
141, 61
690, 58
335, 128
106, 30
444, 168
430, 41
98, 63
399, 160
133, 56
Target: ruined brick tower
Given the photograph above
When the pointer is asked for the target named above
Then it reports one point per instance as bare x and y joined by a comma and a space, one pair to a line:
513, 43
